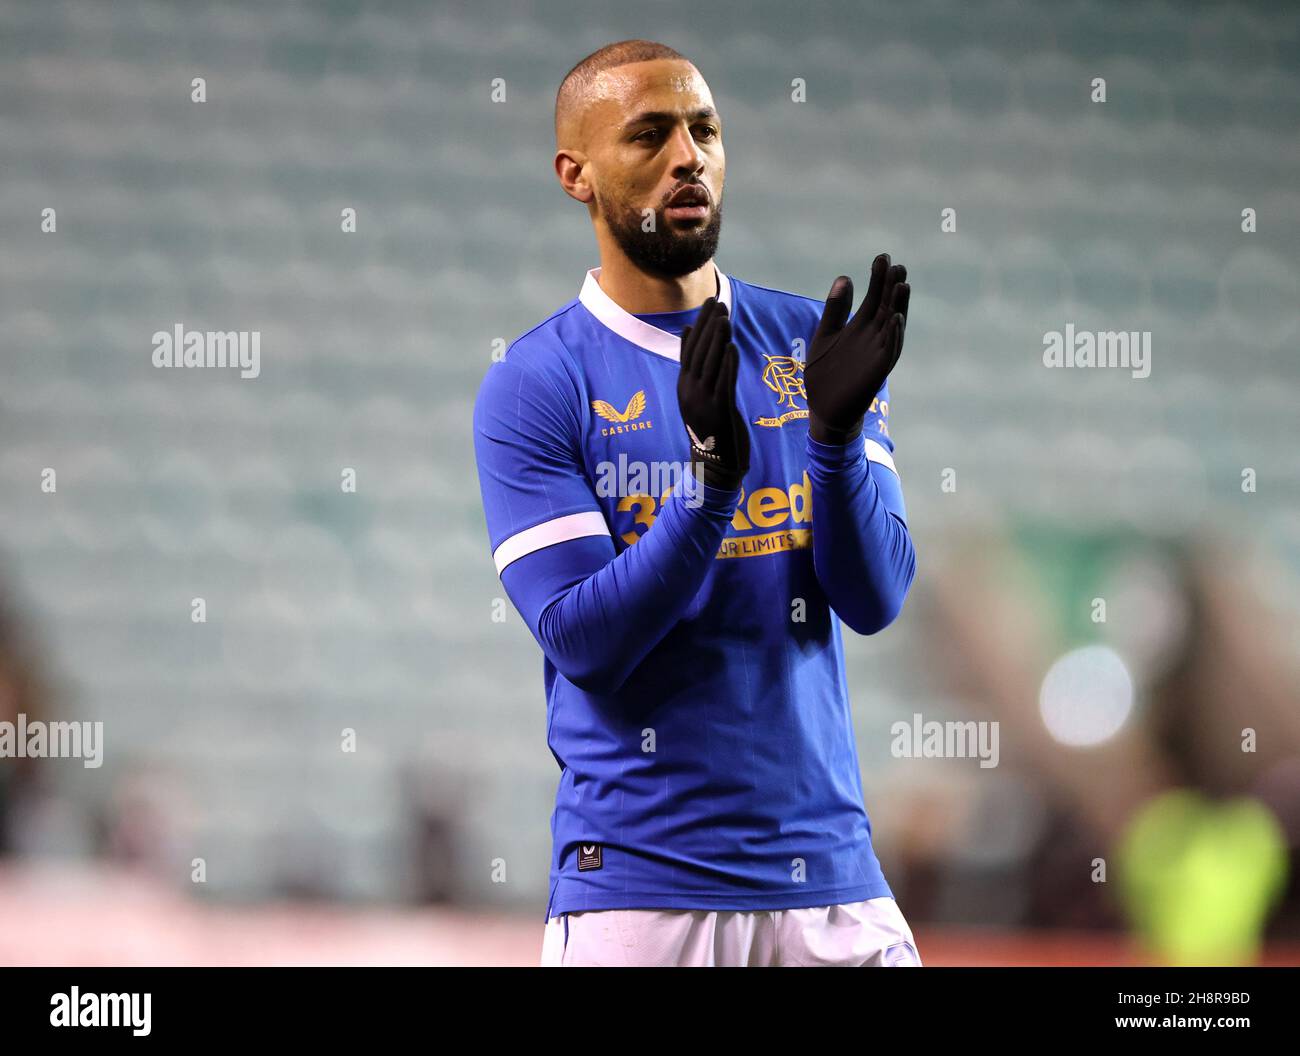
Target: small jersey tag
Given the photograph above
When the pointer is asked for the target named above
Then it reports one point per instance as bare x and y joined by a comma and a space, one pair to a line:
588, 856
901, 955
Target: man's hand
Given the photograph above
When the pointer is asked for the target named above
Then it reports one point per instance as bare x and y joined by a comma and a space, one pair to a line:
847, 365
706, 395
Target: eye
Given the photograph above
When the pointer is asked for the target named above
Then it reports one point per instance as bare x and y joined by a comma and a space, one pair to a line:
649, 135
708, 132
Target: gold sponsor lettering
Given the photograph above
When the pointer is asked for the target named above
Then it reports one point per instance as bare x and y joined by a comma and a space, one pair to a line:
769, 543
881, 407
645, 514
801, 501
766, 508
738, 522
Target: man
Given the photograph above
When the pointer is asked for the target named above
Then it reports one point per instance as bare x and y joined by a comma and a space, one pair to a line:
710, 807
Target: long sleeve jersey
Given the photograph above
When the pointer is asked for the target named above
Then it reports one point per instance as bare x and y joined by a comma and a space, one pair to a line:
693, 665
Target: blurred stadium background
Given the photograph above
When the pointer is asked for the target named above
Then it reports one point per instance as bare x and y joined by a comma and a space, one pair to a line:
373, 611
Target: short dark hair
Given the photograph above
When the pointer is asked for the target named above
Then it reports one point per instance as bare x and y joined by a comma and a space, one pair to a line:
618, 54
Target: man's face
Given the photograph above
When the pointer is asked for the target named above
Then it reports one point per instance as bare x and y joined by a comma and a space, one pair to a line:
656, 164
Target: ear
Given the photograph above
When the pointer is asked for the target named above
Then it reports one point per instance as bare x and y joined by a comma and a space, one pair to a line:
571, 169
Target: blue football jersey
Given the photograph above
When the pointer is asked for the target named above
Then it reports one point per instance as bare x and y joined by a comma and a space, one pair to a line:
723, 774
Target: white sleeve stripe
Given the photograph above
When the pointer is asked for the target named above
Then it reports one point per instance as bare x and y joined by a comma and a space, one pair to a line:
877, 452
560, 530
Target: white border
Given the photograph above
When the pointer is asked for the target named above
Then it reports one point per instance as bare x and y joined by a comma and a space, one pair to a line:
629, 327
548, 533
878, 452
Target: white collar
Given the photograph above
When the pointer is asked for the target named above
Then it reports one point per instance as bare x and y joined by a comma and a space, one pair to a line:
629, 327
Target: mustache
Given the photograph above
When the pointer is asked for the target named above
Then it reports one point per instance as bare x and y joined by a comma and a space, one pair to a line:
700, 184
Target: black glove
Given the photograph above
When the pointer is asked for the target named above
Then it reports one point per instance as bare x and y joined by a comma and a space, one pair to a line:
847, 365
706, 395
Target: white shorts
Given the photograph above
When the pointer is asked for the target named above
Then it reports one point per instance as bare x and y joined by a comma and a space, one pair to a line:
856, 934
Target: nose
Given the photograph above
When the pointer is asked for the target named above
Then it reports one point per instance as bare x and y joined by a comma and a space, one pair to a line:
687, 158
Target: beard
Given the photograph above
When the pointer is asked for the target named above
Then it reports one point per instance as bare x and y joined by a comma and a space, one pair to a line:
664, 252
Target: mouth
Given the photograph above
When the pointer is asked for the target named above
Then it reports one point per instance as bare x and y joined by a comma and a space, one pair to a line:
688, 203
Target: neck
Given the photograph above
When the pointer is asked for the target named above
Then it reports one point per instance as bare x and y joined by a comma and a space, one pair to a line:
640, 294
